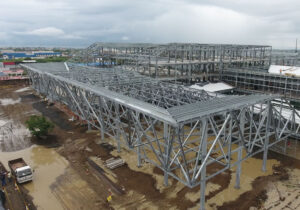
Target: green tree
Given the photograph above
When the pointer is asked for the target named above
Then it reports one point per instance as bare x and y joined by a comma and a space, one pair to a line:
39, 125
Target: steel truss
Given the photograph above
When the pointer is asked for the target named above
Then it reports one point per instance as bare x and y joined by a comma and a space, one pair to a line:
185, 133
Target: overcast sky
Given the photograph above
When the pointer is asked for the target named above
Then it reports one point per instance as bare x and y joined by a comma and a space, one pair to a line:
79, 23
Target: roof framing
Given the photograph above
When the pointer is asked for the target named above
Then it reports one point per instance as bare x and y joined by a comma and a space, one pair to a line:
164, 101
178, 130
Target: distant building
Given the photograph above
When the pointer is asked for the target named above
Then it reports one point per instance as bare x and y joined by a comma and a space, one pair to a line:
14, 55
17, 74
9, 64
6, 51
43, 54
33, 54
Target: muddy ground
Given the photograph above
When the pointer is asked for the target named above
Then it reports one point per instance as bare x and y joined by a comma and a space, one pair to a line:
76, 184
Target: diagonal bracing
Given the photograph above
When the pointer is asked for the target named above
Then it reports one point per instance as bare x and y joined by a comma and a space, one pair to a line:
180, 131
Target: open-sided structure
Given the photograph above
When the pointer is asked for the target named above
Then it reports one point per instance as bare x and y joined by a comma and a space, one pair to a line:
184, 132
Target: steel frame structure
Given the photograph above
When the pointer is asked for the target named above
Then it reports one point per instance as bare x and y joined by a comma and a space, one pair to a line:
242, 65
251, 81
183, 132
287, 58
179, 60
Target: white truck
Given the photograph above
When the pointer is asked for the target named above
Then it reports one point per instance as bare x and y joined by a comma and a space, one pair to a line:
20, 170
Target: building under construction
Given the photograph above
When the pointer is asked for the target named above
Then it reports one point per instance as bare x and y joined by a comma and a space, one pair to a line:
140, 103
179, 61
243, 66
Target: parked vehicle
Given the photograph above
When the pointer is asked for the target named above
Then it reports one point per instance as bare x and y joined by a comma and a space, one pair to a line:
20, 170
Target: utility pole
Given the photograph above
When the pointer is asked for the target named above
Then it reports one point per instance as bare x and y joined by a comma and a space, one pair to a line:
296, 46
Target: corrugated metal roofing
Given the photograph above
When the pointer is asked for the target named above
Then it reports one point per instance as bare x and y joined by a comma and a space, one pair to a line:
214, 106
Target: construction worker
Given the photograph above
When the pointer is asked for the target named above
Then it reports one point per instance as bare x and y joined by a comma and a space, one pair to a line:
109, 198
9, 177
3, 179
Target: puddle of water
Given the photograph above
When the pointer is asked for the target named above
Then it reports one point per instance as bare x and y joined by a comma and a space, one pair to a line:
22, 90
75, 193
48, 165
9, 101
251, 169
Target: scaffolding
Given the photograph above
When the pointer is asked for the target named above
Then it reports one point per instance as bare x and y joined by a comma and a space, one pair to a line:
183, 132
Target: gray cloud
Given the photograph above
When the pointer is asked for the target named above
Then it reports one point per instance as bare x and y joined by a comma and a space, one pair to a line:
49, 32
81, 22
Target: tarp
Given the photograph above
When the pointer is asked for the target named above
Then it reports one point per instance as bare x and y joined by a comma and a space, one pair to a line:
285, 70
212, 87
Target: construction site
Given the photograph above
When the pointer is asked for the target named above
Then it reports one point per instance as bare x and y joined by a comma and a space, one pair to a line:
135, 128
